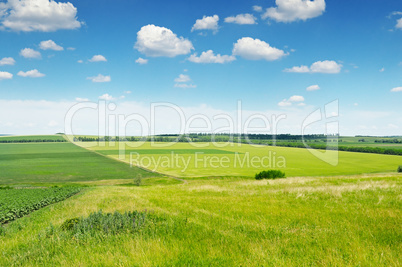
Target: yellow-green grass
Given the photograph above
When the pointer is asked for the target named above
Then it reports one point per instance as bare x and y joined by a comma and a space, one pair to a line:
186, 160
315, 221
59, 163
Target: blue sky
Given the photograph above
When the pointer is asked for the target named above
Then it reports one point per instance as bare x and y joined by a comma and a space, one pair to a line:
265, 53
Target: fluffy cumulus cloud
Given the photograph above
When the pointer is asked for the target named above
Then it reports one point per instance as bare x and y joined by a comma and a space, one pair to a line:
106, 97
5, 75
242, 19
255, 49
313, 88
206, 23
38, 15
293, 99
155, 41
210, 57
399, 24
396, 89
183, 81
100, 79
30, 53
50, 45
292, 10
326, 66
31, 74
7, 61
296, 98
141, 61
182, 78
257, 8
98, 58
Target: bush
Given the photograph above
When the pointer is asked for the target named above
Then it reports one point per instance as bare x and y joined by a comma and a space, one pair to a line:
138, 180
400, 168
270, 174
106, 223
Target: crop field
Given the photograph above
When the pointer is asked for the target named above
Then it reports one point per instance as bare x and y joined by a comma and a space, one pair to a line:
59, 163
205, 215
186, 160
15, 203
325, 221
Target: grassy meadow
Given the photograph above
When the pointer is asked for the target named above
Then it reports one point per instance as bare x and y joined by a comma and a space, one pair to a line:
321, 215
205, 159
320, 221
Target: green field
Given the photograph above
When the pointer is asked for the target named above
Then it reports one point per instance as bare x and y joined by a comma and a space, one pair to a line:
224, 217
190, 161
332, 221
59, 163
15, 203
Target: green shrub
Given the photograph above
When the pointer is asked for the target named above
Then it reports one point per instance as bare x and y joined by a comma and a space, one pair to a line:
106, 223
270, 174
138, 180
400, 168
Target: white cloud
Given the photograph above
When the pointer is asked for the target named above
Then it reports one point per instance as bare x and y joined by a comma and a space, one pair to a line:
127, 92
100, 79
292, 10
5, 75
38, 15
313, 88
242, 19
296, 98
284, 103
31, 74
157, 41
50, 45
106, 97
396, 89
183, 82
185, 85
141, 61
210, 57
98, 58
382, 69
255, 49
301, 69
30, 53
257, 8
80, 61
291, 100
79, 99
326, 66
182, 78
206, 23
7, 61
398, 24
71, 48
